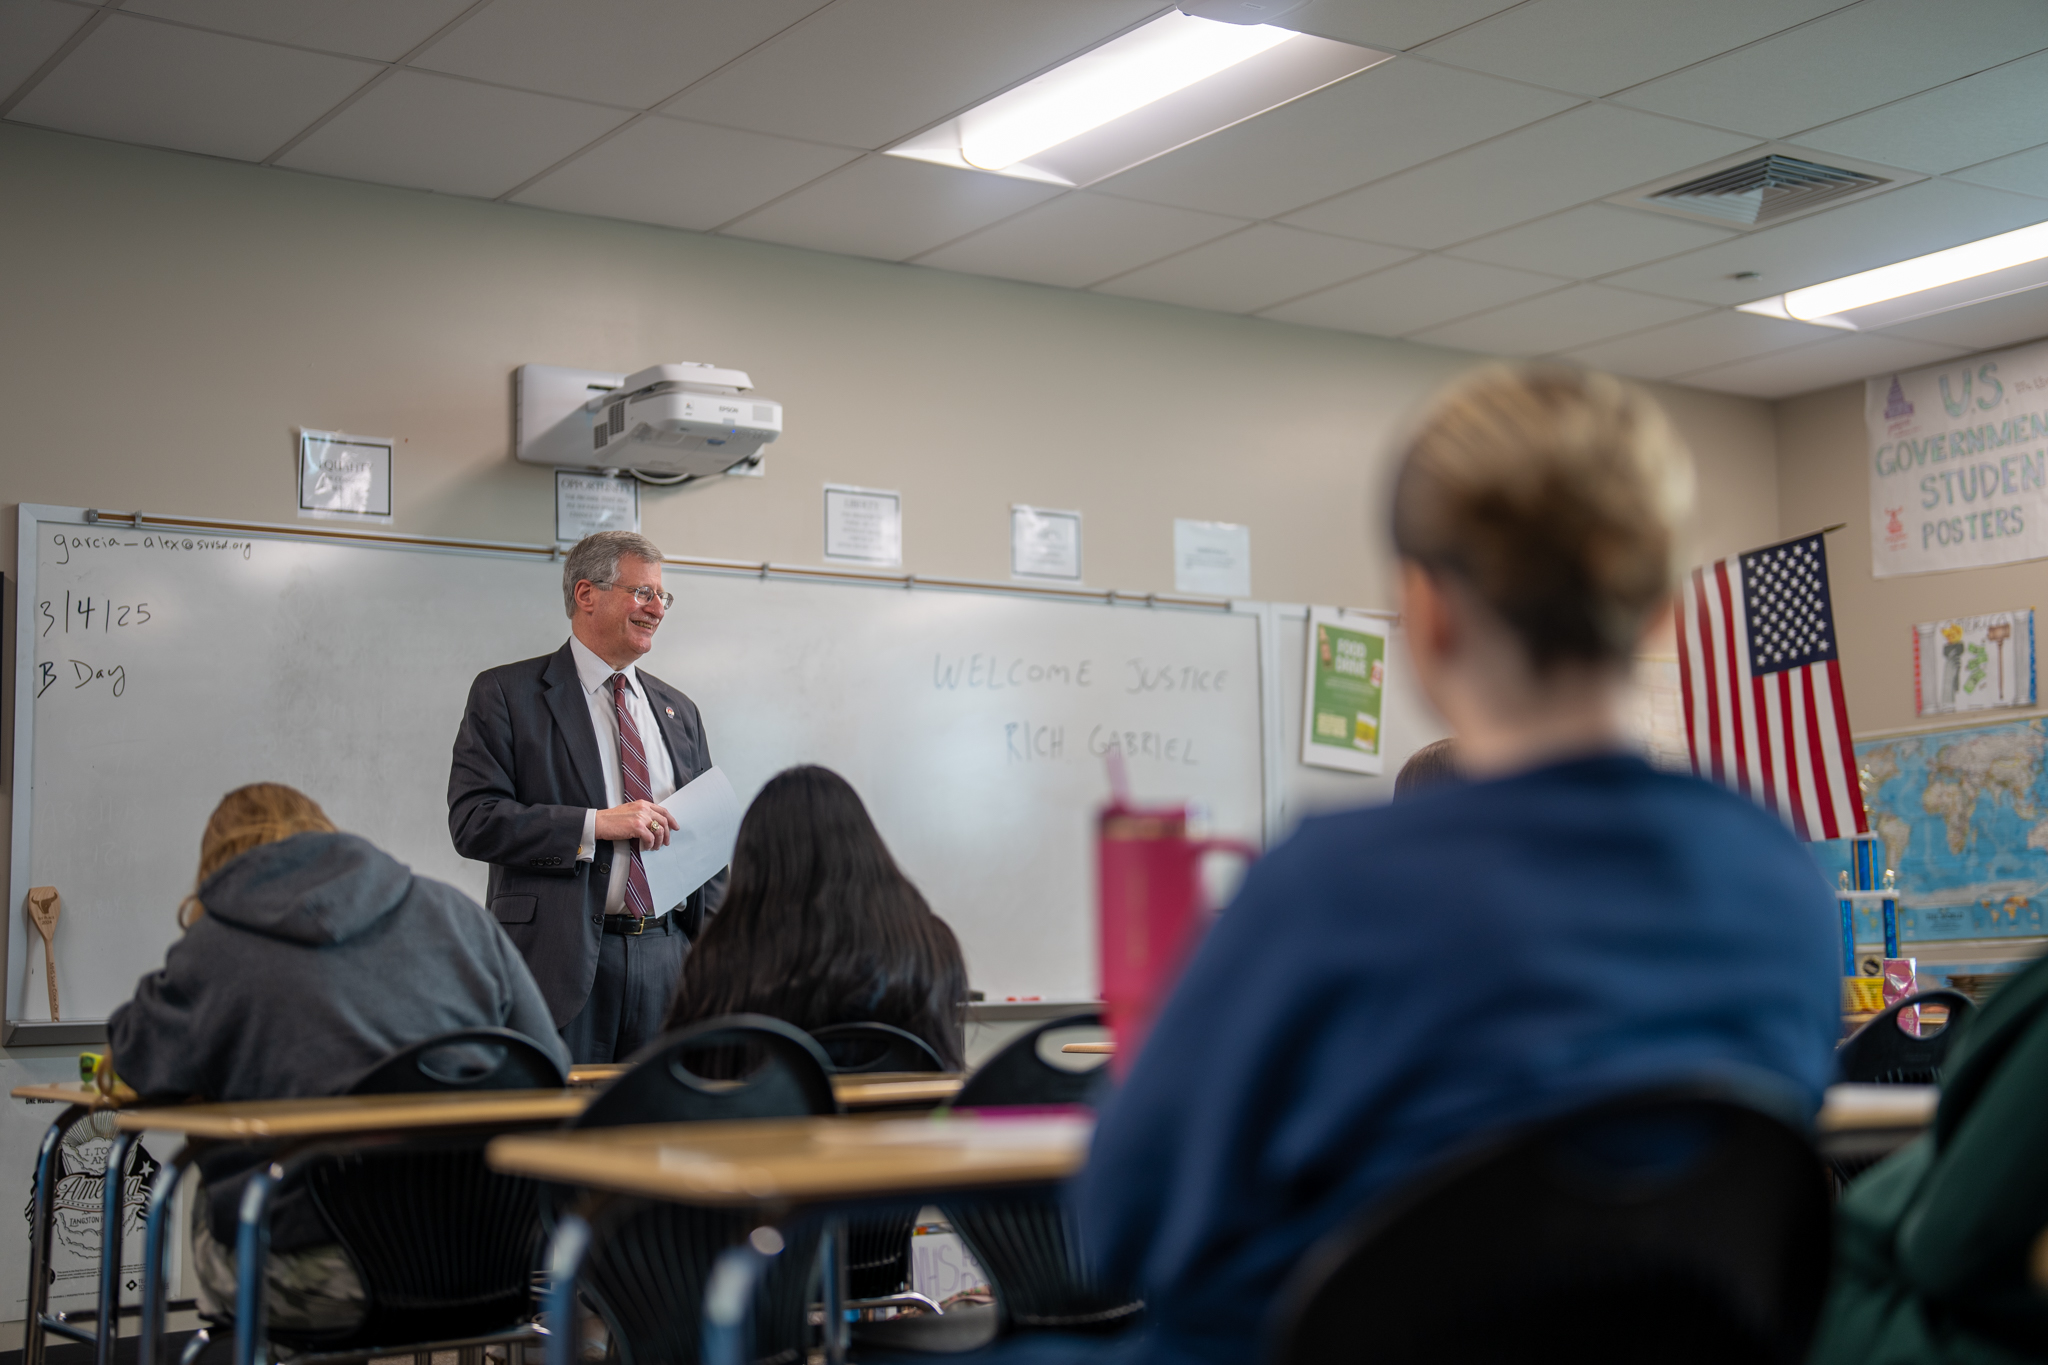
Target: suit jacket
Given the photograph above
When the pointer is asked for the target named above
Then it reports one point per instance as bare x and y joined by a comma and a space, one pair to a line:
526, 768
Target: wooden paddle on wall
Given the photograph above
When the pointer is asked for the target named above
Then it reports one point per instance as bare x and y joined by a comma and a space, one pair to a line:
43, 905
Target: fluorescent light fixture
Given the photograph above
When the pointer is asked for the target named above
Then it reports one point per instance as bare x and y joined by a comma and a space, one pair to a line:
2010, 263
1160, 86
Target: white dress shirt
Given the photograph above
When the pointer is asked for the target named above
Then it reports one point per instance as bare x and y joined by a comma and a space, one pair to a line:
595, 675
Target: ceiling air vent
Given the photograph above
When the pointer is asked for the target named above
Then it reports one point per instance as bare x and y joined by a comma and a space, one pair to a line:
1753, 191
1765, 190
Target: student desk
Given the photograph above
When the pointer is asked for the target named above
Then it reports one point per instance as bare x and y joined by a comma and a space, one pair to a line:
782, 1170
356, 1118
1865, 1122
296, 1132
78, 1102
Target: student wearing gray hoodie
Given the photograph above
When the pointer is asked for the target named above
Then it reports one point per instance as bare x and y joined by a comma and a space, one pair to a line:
309, 956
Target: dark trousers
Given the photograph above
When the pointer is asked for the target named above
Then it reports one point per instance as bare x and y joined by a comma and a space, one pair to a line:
637, 976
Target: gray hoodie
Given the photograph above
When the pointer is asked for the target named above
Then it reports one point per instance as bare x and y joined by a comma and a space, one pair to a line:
317, 957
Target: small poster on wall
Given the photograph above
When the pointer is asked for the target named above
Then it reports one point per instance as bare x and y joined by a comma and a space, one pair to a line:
1342, 724
588, 503
1974, 663
344, 477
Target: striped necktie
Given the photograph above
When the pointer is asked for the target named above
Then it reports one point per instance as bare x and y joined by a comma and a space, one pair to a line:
633, 780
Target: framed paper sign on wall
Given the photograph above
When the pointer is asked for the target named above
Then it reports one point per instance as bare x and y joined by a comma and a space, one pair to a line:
343, 477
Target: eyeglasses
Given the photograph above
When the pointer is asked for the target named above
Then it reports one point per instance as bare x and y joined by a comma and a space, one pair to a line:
645, 596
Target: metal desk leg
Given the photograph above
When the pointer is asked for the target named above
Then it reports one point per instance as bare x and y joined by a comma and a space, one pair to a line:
252, 1257
729, 1296
567, 1247
42, 1219
832, 1273
110, 1248
163, 1200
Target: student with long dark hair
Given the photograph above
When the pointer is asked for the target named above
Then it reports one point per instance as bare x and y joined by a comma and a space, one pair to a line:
819, 926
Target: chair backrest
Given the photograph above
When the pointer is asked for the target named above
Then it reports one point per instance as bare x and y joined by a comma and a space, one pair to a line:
738, 1066
467, 1059
445, 1247
1018, 1075
1882, 1053
876, 1047
1687, 1225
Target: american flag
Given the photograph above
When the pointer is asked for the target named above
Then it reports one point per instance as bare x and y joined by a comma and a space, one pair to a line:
1762, 685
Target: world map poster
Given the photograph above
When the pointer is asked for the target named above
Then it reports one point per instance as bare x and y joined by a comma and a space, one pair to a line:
1963, 816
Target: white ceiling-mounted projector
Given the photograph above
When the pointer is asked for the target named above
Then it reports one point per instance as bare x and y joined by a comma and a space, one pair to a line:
672, 422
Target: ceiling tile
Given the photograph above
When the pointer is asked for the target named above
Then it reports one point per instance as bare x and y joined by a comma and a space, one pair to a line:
1389, 25
2000, 322
1594, 240
31, 31
1894, 226
1582, 154
1554, 322
1982, 116
1411, 296
1395, 115
135, 80
1253, 269
865, 73
1078, 239
632, 52
1717, 338
1857, 58
1819, 366
1595, 47
686, 175
383, 30
2026, 172
887, 207
438, 133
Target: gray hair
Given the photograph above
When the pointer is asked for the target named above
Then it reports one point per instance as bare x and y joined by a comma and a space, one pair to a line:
596, 557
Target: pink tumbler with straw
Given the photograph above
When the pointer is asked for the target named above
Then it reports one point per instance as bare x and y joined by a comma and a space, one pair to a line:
1149, 898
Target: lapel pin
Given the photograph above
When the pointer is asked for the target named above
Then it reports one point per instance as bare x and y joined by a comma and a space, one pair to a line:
671, 712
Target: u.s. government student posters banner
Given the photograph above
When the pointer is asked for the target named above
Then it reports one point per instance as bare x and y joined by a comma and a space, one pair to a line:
1959, 463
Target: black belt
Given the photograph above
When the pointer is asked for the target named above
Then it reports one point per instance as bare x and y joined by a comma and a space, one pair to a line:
633, 928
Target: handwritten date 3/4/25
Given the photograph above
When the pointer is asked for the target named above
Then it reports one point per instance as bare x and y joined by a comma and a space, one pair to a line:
49, 672
80, 614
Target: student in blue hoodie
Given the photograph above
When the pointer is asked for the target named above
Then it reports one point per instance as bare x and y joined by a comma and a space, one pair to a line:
1561, 925
308, 957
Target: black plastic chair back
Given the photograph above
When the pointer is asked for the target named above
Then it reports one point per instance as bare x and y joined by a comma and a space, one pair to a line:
1025, 1241
1882, 1053
1018, 1075
445, 1247
877, 1244
647, 1269
1686, 1227
876, 1047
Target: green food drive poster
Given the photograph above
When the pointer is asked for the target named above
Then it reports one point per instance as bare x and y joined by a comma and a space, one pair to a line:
1342, 724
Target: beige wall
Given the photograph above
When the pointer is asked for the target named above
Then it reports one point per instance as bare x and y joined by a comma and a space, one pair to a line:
167, 320
1823, 478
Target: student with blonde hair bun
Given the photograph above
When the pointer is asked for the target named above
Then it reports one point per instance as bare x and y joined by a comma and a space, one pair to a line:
1561, 925
308, 957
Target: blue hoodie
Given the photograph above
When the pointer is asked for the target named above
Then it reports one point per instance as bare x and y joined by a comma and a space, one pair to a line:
1392, 983
317, 957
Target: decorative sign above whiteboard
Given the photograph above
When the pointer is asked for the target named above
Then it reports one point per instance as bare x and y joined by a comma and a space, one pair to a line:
1973, 663
1044, 543
863, 525
344, 477
588, 503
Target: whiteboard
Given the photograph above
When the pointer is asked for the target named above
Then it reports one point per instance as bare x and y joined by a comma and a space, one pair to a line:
159, 668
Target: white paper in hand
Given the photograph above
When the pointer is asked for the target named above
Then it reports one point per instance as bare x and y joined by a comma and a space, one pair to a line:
707, 813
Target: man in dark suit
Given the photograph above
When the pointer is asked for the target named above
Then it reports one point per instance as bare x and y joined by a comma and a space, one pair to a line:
558, 769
